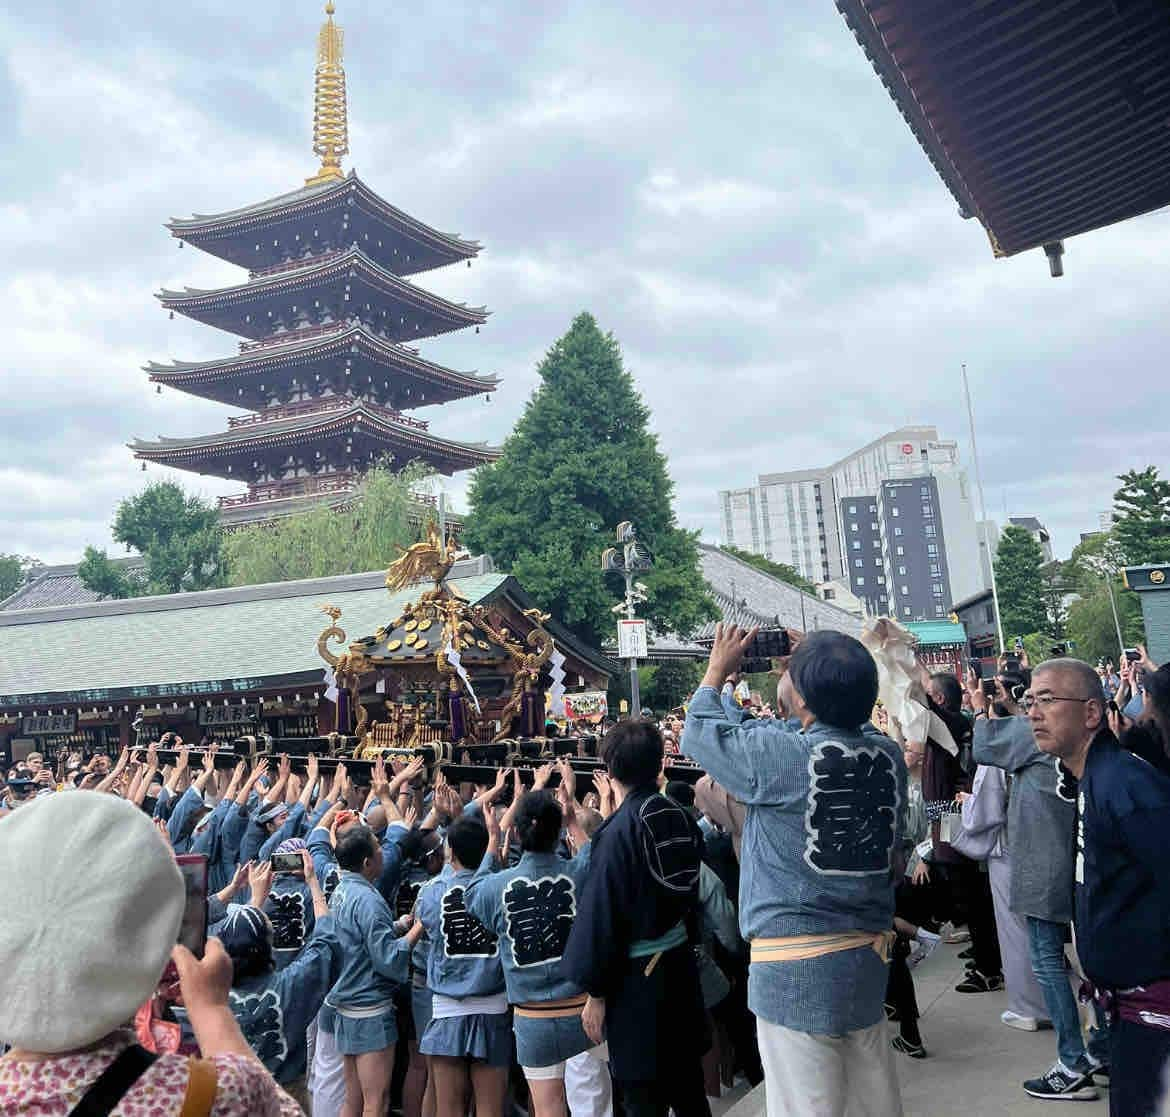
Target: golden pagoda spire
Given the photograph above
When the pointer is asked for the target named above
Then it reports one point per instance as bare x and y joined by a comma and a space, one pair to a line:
330, 132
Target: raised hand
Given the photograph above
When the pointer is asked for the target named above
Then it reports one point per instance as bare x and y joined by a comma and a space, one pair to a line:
541, 777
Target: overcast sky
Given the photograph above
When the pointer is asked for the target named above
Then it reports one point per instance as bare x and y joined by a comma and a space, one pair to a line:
726, 186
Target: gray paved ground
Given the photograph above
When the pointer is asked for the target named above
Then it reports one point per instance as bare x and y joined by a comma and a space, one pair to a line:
975, 1064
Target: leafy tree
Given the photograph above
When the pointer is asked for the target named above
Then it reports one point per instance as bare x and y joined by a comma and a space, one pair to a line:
779, 570
1054, 589
1141, 516
579, 462
1020, 584
325, 541
107, 578
176, 533
1091, 627
15, 570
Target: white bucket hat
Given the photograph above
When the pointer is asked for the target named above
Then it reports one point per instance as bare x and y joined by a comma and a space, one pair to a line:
93, 900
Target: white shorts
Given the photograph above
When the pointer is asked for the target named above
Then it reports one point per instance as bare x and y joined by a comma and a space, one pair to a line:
557, 1070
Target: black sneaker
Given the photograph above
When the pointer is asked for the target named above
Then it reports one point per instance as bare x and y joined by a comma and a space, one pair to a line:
1099, 1073
1062, 1084
975, 982
914, 1050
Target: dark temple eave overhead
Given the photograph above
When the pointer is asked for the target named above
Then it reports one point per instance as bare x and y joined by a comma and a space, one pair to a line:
245, 309
236, 379
346, 211
1045, 118
364, 427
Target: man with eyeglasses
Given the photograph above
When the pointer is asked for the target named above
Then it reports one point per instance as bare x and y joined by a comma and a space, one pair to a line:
1042, 824
1122, 877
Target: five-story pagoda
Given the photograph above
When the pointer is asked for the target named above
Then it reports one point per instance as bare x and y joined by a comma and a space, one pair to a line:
327, 369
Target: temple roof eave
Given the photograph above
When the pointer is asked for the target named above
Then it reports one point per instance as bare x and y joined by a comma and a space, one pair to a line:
299, 428
191, 298
223, 368
200, 224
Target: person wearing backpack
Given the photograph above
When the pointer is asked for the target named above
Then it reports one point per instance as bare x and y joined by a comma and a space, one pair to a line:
101, 904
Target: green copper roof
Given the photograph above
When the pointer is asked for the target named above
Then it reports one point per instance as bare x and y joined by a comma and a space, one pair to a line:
934, 633
240, 634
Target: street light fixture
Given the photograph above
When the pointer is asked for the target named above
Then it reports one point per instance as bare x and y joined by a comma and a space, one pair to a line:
629, 558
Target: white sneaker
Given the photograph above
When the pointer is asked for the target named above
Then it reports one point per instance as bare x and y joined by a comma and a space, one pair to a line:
925, 945
1023, 1023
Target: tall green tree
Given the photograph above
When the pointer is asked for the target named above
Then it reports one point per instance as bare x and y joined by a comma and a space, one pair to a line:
779, 570
1021, 586
1093, 572
1141, 516
177, 535
364, 535
15, 570
580, 461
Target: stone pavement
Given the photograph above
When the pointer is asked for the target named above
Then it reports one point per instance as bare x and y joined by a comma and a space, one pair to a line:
975, 1064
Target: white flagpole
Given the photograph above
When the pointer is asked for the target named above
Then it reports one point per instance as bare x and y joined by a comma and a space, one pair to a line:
983, 510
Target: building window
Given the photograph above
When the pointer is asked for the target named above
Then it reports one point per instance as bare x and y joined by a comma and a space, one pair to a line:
858, 562
905, 610
935, 570
936, 590
989, 614
874, 526
925, 490
873, 507
902, 571
899, 549
857, 544
894, 511
853, 510
905, 591
853, 527
927, 512
897, 531
938, 610
932, 548
860, 581
929, 530
878, 562
881, 580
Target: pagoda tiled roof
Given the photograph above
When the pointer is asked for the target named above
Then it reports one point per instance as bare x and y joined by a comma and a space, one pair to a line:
291, 431
191, 299
311, 199
293, 348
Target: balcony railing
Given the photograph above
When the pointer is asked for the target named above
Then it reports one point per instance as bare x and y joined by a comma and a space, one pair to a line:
296, 486
316, 406
302, 262
305, 333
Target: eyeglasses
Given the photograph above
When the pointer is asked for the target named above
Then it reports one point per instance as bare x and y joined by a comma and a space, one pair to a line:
1044, 701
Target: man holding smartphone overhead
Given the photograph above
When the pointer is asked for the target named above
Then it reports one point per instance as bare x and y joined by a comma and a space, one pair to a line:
824, 814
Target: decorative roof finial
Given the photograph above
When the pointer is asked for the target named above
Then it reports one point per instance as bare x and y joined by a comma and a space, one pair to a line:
330, 131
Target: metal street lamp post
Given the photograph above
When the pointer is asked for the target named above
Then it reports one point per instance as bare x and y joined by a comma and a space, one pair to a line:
628, 559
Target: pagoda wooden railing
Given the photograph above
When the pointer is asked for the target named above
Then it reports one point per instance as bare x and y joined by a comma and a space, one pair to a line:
314, 406
304, 333
293, 487
302, 262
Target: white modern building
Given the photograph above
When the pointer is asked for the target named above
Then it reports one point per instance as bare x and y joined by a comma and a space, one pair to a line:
894, 520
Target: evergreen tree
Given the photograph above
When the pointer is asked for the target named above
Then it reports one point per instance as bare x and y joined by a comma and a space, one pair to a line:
1020, 583
1141, 516
579, 462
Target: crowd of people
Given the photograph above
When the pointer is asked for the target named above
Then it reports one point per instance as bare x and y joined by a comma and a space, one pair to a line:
417, 947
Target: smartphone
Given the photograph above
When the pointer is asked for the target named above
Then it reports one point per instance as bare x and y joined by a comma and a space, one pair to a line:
1019, 643
287, 863
769, 644
193, 929
1133, 655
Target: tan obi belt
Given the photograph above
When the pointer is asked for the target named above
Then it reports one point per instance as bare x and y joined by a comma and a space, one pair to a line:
798, 948
552, 1010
